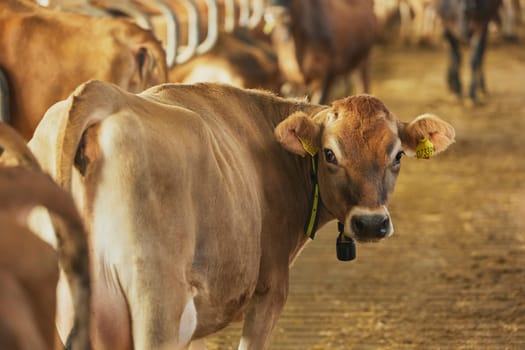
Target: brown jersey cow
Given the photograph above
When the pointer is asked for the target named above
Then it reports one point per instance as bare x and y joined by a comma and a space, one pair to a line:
46, 54
467, 21
319, 40
196, 198
236, 60
29, 269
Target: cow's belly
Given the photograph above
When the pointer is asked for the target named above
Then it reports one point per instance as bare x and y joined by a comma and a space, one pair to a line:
225, 286
226, 260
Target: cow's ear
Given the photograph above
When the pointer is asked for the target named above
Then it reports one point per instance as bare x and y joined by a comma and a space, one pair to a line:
426, 127
299, 134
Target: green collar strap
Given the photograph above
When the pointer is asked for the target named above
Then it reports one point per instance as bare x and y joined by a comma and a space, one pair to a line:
311, 225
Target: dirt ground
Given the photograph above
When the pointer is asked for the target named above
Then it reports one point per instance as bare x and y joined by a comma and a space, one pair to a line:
453, 274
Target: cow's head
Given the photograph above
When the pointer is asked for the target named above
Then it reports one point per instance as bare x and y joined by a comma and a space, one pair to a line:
360, 144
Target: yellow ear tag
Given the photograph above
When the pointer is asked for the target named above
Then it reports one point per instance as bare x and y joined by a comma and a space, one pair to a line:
308, 147
424, 149
268, 27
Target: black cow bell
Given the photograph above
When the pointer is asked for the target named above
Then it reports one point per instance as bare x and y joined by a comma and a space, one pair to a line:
345, 247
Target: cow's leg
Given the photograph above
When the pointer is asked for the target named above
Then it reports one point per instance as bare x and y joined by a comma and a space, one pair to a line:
325, 88
405, 13
519, 11
164, 318
454, 82
428, 25
476, 64
509, 20
265, 308
365, 74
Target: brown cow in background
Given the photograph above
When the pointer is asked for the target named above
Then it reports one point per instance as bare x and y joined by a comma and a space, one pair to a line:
237, 60
237, 56
467, 22
319, 40
46, 54
29, 269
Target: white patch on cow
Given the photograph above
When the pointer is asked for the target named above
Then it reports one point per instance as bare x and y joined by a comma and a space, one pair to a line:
65, 309
212, 74
331, 117
39, 222
188, 322
294, 258
243, 345
113, 222
395, 150
77, 181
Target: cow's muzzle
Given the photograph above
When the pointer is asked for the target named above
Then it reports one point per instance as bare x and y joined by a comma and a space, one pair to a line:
369, 225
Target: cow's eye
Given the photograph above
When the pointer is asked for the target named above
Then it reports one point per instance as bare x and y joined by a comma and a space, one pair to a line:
397, 160
330, 156
399, 155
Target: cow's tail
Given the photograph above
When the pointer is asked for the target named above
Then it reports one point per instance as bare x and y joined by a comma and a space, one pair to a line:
28, 186
58, 136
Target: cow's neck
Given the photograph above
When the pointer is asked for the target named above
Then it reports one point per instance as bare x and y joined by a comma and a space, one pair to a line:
287, 183
313, 215
308, 222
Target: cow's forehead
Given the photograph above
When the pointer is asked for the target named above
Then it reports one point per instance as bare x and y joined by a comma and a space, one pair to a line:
361, 122
362, 111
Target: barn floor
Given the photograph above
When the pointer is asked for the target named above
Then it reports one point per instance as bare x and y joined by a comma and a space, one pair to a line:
453, 274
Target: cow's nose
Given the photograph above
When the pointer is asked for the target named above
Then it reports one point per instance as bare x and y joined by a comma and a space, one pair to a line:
370, 226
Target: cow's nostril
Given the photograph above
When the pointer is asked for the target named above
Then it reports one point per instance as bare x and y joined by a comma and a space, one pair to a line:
358, 224
384, 226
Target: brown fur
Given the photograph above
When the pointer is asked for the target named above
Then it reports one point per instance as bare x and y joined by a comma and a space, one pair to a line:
330, 38
17, 151
247, 64
240, 58
31, 266
46, 54
28, 279
199, 199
